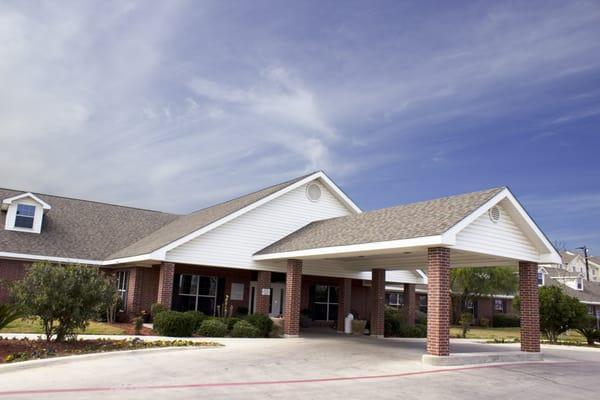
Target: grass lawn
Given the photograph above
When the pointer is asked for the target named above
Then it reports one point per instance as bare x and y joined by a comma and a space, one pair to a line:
507, 333
34, 326
487, 333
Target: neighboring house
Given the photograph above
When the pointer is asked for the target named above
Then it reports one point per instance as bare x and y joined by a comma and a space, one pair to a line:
573, 261
574, 284
299, 245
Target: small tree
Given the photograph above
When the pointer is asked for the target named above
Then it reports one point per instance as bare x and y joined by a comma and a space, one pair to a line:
64, 297
559, 312
587, 328
472, 283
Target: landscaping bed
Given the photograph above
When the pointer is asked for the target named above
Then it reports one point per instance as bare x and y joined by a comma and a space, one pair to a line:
13, 350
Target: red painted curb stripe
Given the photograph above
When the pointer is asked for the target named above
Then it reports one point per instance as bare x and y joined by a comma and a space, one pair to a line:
258, 383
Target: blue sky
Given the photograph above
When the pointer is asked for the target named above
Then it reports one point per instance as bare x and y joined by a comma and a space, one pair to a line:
179, 105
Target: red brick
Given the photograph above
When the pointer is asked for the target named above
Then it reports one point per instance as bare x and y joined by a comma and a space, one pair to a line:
438, 301
263, 300
530, 307
293, 291
410, 305
378, 305
165, 284
344, 301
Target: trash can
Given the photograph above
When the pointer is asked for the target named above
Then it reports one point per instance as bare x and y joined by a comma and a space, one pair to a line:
348, 323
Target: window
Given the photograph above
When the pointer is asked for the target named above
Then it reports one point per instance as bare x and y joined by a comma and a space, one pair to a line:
579, 284
396, 299
540, 278
25, 215
423, 304
500, 305
326, 302
122, 283
199, 293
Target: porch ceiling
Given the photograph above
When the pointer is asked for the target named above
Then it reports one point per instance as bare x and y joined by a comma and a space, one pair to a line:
406, 259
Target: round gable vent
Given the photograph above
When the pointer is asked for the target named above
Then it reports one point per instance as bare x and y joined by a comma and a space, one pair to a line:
313, 192
495, 214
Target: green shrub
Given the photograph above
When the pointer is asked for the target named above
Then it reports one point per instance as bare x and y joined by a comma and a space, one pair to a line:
394, 320
587, 328
213, 327
484, 322
262, 322
8, 314
197, 317
242, 310
231, 321
416, 331
244, 329
157, 308
173, 323
505, 321
65, 297
420, 318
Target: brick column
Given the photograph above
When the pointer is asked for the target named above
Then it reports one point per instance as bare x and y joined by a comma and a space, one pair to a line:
530, 307
438, 301
410, 305
378, 305
134, 292
165, 284
263, 300
293, 290
344, 302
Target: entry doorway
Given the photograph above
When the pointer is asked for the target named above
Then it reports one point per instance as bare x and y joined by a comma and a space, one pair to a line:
276, 298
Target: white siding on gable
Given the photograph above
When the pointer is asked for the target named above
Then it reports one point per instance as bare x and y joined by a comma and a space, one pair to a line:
233, 243
503, 237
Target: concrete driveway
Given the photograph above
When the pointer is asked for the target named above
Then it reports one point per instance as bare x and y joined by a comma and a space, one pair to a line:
314, 366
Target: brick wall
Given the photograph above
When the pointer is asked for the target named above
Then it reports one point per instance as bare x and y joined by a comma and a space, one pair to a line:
530, 311
262, 300
165, 284
438, 301
410, 302
345, 301
11, 271
378, 305
293, 293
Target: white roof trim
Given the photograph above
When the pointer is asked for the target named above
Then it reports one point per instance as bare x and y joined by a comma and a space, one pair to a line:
355, 249
161, 253
549, 256
33, 257
32, 196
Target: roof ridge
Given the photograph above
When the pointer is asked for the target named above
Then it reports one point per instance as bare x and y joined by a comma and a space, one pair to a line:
288, 182
88, 201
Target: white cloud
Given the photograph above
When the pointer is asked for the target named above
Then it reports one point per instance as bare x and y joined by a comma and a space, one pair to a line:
178, 105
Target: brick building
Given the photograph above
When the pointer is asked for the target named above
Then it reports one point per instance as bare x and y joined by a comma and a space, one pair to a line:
301, 246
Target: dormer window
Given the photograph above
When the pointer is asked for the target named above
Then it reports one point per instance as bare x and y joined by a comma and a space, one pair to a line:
25, 213
25, 216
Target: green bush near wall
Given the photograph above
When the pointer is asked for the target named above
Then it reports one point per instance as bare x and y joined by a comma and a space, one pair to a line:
244, 329
173, 323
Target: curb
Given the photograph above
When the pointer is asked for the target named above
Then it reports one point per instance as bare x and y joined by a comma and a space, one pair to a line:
21, 365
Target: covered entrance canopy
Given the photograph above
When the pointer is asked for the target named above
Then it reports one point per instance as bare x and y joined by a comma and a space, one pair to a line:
486, 228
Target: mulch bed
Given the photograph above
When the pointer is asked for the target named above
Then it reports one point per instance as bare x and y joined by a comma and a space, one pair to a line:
12, 350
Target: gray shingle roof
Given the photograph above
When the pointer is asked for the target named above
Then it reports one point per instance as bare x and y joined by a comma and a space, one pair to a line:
408, 221
189, 223
561, 273
81, 229
590, 292
98, 231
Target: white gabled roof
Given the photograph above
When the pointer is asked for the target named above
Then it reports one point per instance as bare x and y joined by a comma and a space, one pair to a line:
29, 195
